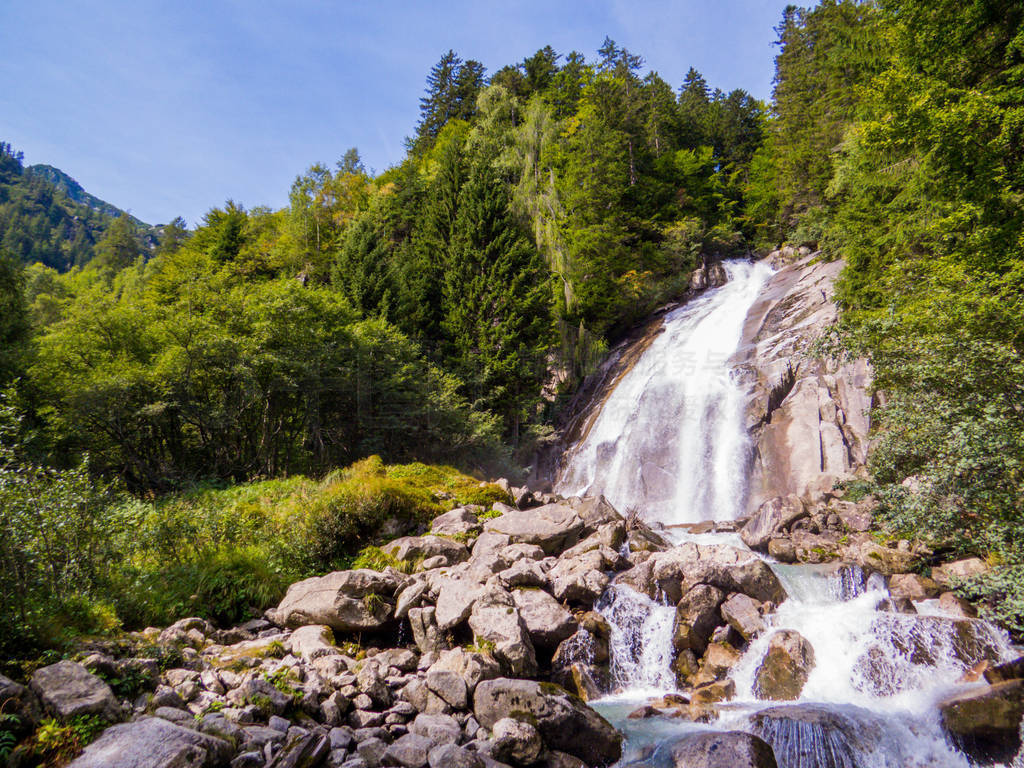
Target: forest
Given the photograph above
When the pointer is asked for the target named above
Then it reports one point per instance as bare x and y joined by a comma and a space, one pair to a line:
182, 421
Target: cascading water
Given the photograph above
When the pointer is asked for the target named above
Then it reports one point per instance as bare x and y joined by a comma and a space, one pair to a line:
669, 441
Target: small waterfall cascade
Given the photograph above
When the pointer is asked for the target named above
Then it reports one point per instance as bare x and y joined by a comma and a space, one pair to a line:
669, 442
669, 439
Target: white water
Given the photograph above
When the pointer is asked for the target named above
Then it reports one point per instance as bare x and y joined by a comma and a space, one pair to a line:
670, 442
669, 439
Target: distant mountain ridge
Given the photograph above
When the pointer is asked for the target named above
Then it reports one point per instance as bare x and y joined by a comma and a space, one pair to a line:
76, 192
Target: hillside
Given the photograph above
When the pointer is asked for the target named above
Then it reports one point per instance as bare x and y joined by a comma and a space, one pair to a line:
48, 217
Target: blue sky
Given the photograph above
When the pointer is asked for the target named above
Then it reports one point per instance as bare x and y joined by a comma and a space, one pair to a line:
170, 108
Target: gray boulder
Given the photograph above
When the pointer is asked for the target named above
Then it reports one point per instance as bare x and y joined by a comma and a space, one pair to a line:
409, 751
553, 527
743, 614
420, 548
302, 750
154, 743
455, 599
729, 749
458, 522
451, 756
670, 574
516, 742
697, 616
772, 517
495, 619
345, 601
580, 579
564, 722
546, 620
67, 689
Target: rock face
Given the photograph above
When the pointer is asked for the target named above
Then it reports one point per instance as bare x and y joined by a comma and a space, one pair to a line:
785, 668
809, 417
345, 601
564, 723
729, 749
153, 743
67, 689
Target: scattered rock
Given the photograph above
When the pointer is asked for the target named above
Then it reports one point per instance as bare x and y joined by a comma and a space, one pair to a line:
913, 587
744, 615
773, 517
564, 722
516, 742
546, 620
496, 620
553, 527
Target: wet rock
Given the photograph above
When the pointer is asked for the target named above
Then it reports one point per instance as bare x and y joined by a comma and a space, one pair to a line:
729, 749
744, 615
697, 615
712, 693
546, 620
1010, 670
67, 689
516, 742
991, 715
785, 668
896, 605
553, 527
153, 743
913, 587
822, 736
496, 620
954, 605
564, 722
345, 601
772, 518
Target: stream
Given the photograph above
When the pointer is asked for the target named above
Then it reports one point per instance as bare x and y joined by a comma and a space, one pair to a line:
669, 442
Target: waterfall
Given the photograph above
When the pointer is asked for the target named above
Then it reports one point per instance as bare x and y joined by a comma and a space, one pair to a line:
669, 439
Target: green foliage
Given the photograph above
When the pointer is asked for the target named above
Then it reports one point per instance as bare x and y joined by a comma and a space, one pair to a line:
376, 559
9, 725
56, 743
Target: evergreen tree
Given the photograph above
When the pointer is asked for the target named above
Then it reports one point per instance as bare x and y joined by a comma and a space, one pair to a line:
119, 247
452, 88
496, 311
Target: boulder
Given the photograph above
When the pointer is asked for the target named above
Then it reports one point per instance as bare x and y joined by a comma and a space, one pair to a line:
594, 511
425, 632
1010, 670
153, 743
451, 756
697, 615
449, 686
546, 620
409, 751
455, 599
345, 601
312, 641
419, 548
728, 749
743, 614
564, 722
991, 713
785, 667
523, 573
472, 668
16, 699
773, 517
913, 587
495, 619
439, 728
67, 689
553, 527
516, 742
302, 750
580, 579
670, 574
830, 737
960, 570
458, 522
